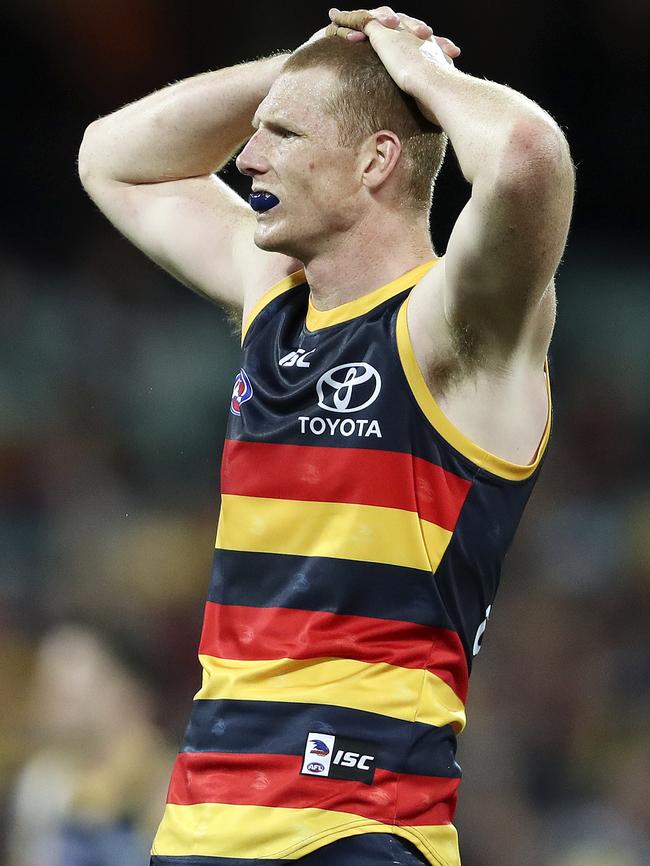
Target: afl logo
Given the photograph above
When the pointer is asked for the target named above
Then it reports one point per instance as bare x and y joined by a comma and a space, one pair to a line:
348, 387
241, 392
315, 767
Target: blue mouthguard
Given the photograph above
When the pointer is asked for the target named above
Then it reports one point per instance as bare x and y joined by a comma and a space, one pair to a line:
261, 201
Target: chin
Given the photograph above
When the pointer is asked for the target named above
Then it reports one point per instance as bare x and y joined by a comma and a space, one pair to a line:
275, 242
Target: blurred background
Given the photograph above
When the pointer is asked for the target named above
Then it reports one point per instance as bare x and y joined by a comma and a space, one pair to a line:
114, 384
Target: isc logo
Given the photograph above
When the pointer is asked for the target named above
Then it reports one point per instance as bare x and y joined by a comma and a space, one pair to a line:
353, 759
339, 758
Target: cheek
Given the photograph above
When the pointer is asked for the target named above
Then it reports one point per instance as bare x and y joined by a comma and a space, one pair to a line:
327, 179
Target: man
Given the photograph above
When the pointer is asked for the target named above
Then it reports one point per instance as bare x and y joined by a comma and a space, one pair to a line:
387, 425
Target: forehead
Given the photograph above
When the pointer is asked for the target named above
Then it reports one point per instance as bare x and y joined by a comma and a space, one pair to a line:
299, 97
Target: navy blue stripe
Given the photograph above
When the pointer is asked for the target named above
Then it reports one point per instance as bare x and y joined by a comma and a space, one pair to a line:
369, 849
305, 583
278, 728
214, 861
468, 574
210, 861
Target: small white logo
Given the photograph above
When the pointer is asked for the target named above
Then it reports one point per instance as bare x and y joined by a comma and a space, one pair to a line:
345, 426
296, 359
480, 632
353, 759
318, 754
336, 392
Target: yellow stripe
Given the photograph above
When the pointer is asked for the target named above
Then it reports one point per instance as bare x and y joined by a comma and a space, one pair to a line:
264, 833
368, 533
317, 319
401, 693
486, 460
284, 285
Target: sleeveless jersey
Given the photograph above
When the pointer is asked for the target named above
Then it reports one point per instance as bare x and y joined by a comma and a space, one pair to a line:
358, 553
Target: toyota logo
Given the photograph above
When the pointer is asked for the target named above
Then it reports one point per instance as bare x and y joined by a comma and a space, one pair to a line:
348, 387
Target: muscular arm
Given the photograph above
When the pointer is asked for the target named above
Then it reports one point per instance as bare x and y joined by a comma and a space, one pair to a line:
508, 240
149, 167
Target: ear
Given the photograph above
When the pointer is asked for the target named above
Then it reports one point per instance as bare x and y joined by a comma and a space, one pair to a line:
380, 155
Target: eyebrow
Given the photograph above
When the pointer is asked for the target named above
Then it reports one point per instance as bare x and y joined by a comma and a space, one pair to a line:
273, 125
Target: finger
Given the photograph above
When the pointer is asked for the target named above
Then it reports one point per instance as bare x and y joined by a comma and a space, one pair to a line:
386, 15
344, 33
359, 18
449, 47
416, 26
356, 20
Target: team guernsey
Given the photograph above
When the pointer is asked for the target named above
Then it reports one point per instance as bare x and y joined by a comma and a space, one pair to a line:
358, 553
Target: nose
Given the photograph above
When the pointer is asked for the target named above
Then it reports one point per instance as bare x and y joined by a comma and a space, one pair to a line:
251, 161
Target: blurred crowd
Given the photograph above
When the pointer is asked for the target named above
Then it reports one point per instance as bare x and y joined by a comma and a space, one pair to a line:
114, 385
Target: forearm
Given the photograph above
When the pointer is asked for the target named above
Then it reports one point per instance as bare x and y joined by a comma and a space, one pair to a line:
186, 130
494, 130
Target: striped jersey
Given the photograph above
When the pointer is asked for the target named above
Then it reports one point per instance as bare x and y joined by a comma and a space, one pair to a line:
358, 553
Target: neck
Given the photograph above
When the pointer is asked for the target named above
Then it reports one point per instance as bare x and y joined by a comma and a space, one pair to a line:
366, 258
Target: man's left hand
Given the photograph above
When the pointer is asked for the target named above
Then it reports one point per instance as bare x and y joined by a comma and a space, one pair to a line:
393, 35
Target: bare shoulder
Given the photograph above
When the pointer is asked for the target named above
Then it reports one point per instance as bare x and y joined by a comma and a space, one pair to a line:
498, 401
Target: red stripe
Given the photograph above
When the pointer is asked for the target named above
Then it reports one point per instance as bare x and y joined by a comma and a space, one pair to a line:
275, 780
357, 475
255, 633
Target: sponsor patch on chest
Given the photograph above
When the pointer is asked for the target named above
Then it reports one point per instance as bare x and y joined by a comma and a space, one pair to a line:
337, 757
346, 389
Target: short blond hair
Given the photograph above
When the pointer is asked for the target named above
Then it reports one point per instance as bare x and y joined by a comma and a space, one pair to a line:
367, 100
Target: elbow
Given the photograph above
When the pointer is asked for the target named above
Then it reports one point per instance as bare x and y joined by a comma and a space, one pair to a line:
536, 156
86, 159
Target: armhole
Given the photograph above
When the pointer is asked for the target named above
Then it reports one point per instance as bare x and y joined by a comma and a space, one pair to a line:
498, 466
294, 279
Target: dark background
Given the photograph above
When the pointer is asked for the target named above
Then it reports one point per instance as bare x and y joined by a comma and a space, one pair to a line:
113, 390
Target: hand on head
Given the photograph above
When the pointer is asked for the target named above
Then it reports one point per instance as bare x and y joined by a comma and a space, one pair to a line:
353, 26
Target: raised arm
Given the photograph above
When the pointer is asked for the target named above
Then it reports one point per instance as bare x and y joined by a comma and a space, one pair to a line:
149, 167
508, 240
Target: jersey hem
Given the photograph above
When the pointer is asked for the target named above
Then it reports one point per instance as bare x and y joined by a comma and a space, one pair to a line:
479, 456
355, 826
308, 846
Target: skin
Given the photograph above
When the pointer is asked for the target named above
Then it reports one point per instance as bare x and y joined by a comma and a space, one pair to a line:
335, 203
480, 322
294, 154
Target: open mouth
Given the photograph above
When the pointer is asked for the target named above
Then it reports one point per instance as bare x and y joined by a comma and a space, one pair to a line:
262, 201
